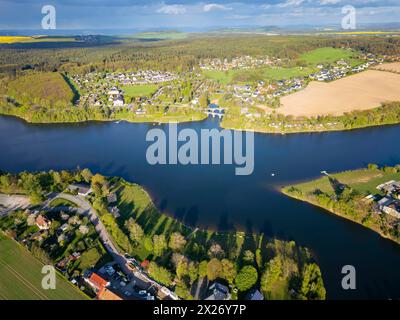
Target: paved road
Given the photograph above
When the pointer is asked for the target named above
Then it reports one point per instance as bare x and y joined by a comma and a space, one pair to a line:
12, 202
85, 208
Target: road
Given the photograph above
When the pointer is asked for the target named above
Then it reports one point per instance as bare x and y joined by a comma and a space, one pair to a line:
85, 208
13, 202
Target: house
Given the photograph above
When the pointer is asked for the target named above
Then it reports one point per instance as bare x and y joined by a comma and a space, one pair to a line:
113, 91
218, 291
254, 295
392, 210
118, 101
42, 222
82, 189
384, 202
114, 211
97, 282
111, 198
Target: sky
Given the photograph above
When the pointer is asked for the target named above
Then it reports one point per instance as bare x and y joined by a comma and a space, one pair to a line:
181, 14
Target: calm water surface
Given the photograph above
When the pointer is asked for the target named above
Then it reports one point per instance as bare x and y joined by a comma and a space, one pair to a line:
212, 196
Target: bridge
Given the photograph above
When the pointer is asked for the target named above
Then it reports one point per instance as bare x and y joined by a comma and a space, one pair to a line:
215, 112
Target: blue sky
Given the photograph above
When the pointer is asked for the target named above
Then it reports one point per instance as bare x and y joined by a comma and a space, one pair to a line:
131, 14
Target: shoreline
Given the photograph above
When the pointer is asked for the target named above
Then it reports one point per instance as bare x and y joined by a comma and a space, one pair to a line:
221, 125
351, 208
340, 216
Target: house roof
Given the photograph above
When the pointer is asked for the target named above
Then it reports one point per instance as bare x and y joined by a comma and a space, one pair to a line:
106, 294
254, 295
42, 221
218, 292
98, 281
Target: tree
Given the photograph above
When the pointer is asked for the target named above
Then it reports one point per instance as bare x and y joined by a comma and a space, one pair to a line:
182, 269
373, 166
31, 220
248, 256
148, 244
203, 269
177, 241
246, 278
214, 269
5, 182
312, 287
99, 185
86, 175
216, 251
272, 274
160, 274
136, 232
228, 270
204, 101
159, 245
193, 271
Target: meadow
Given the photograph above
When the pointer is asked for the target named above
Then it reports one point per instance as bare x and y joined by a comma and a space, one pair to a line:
20, 277
326, 55
363, 181
45, 89
140, 90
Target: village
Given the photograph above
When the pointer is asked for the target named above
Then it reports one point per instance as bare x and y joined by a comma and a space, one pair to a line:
390, 203
237, 63
67, 220
111, 90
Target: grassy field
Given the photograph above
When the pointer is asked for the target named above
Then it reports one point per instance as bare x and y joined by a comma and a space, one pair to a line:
140, 90
286, 73
45, 89
20, 277
59, 202
223, 77
326, 55
363, 181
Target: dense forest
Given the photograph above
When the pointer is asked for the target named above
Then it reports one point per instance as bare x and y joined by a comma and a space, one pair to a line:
178, 55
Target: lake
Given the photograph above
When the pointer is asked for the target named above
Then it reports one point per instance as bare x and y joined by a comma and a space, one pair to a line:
212, 196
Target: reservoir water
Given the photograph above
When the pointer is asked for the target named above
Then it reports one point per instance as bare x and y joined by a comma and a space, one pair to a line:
212, 196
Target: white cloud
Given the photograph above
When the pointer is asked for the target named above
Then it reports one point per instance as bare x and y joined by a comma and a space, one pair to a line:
174, 9
325, 2
214, 6
290, 3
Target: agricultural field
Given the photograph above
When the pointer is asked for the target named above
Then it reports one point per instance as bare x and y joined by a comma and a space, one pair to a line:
391, 67
363, 91
140, 90
20, 277
45, 89
24, 39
